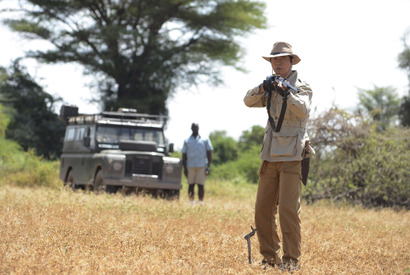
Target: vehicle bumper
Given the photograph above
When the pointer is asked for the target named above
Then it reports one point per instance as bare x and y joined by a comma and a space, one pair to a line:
143, 181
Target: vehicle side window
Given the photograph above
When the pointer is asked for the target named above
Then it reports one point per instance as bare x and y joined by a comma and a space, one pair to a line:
70, 133
125, 133
92, 136
80, 133
107, 134
138, 135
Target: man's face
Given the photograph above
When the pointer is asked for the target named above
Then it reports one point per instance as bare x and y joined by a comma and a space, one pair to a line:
195, 129
281, 65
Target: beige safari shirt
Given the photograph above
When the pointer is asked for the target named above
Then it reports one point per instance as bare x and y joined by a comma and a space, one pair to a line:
289, 143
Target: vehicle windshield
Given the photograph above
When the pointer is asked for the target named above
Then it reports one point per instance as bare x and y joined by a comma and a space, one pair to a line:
113, 134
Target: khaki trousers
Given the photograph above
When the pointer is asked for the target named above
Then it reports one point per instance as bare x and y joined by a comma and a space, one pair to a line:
279, 188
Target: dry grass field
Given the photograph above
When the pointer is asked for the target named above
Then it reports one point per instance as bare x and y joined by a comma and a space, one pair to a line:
46, 231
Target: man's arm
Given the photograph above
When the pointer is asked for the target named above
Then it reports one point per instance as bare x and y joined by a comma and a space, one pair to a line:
255, 97
209, 157
184, 162
300, 103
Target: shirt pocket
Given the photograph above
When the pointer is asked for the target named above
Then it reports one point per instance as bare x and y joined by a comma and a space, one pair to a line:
284, 146
286, 143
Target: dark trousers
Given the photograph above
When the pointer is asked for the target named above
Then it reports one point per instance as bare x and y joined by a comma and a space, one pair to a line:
201, 192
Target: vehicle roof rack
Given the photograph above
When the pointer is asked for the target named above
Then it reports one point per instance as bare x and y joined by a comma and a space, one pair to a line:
134, 116
118, 116
84, 119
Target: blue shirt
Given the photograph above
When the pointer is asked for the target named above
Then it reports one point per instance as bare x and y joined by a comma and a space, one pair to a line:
196, 149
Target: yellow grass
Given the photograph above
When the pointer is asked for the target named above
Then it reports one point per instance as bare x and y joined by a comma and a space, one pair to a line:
58, 231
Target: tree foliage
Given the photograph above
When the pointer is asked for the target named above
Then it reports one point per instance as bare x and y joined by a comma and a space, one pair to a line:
404, 63
33, 123
404, 111
382, 104
141, 50
4, 120
237, 160
225, 148
251, 138
404, 56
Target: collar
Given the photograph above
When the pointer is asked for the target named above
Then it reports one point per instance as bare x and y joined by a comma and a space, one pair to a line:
292, 77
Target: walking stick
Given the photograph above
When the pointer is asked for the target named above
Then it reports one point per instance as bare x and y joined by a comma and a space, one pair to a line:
248, 239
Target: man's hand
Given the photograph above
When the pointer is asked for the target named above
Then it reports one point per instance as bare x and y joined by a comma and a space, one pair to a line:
207, 171
282, 90
261, 90
186, 172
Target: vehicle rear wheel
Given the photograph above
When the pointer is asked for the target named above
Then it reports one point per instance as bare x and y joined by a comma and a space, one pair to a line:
69, 182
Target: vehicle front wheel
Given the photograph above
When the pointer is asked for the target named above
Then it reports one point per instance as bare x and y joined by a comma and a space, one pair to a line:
99, 186
69, 182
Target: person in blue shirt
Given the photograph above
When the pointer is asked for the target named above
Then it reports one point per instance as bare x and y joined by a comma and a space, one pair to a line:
196, 159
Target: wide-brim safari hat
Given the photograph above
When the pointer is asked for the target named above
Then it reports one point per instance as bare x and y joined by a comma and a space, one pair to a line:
282, 49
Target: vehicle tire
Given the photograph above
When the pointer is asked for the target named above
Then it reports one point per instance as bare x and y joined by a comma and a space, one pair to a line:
99, 186
173, 195
176, 194
69, 182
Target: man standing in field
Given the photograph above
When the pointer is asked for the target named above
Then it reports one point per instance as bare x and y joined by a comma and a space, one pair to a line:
196, 159
288, 101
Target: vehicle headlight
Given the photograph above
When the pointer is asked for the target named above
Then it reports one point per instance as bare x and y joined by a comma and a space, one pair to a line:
172, 165
117, 166
115, 162
169, 169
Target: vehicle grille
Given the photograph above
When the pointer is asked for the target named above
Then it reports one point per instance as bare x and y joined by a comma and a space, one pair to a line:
143, 165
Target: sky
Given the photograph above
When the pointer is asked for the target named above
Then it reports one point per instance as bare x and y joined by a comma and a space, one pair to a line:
345, 45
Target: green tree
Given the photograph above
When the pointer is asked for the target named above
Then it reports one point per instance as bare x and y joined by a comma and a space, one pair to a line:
141, 50
251, 138
404, 56
4, 121
237, 160
225, 148
404, 112
404, 63
33, 124
381, 103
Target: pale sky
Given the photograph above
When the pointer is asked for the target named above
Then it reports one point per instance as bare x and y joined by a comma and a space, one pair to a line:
344, 45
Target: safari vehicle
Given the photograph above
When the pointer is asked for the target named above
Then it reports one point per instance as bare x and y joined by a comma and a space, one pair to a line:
110, 150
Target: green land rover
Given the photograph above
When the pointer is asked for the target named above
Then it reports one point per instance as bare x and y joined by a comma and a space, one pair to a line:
110, 150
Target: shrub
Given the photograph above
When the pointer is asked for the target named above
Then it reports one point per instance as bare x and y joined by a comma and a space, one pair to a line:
367, 166
21, 168
245, 167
